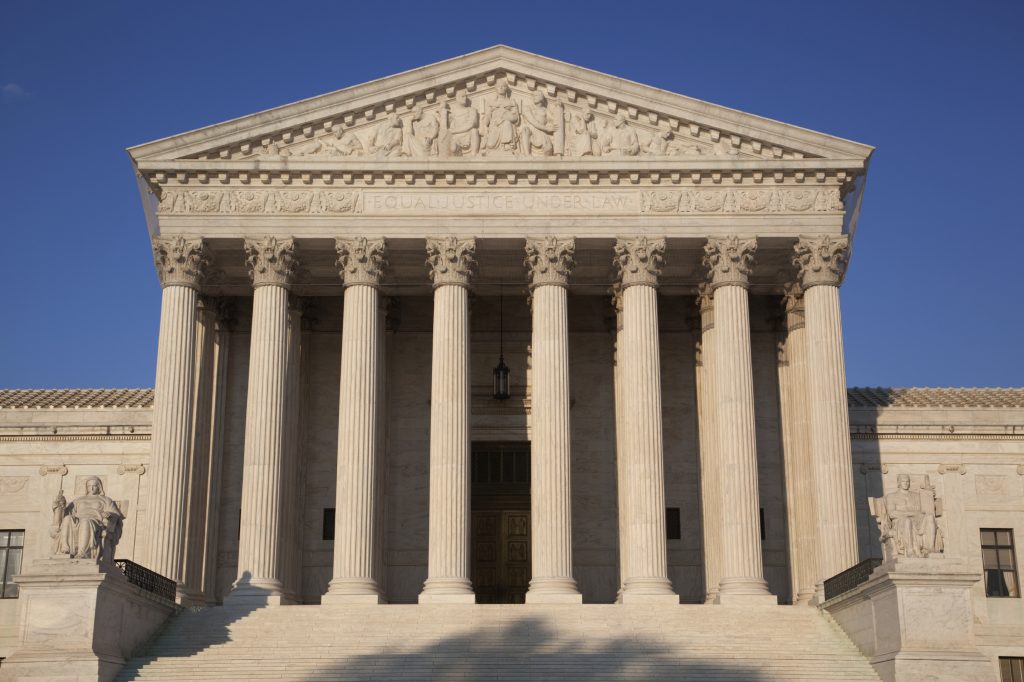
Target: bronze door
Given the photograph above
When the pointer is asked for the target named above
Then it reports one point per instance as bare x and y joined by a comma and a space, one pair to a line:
500, 547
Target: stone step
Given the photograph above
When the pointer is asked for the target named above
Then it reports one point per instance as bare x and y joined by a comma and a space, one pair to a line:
438, 642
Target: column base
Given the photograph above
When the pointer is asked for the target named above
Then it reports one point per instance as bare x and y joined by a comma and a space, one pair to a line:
447, 591
351, 598
353, 591
745, 592
553, 591
648, 591
255, 593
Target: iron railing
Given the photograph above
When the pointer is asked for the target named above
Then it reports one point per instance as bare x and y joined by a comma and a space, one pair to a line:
850, 578
147, 579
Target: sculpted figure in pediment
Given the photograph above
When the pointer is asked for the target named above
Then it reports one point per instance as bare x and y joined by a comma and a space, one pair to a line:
501, 118
621, 139
664, 143
422, 132
582, 140
344, 143
387, 139
539, 126
463, 135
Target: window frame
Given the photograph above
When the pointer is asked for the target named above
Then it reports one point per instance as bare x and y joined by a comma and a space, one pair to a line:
1014, 665
1013, 561
7, 577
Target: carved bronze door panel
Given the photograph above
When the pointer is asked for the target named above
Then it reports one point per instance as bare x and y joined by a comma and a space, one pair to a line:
501, 556
500, 543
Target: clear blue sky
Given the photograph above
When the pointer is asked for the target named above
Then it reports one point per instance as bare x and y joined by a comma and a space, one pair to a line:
933, 296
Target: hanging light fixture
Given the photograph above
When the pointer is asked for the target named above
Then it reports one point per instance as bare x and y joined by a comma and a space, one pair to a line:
501, 371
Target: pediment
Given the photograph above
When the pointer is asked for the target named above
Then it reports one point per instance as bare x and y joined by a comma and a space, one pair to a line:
493, 106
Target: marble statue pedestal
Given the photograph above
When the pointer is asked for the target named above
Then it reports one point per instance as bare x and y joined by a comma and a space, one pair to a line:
80, 621
913, 619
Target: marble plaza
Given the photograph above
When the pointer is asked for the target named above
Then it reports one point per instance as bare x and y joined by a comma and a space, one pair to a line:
504, 367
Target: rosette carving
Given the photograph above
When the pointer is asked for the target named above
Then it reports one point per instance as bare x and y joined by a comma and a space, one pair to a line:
361, 260
729, 260
451, 260
180, 261
822, 260
271, 261
639, 260
549, 260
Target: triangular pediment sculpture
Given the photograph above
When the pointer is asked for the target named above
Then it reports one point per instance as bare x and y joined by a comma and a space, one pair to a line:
499, 104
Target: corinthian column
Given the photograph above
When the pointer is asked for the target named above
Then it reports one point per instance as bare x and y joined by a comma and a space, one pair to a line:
361, 262
620, 440
180, 263
272, 267
549, 261
822, 264
710, 465
451, 262
796, 451
729, 261
639, 262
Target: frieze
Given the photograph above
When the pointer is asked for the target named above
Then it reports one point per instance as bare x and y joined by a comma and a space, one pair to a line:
175, 201
250, 202
742, 201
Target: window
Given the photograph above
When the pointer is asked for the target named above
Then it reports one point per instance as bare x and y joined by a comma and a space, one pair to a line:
673, 527
12, 545
328, 523
1011, 669
999, 563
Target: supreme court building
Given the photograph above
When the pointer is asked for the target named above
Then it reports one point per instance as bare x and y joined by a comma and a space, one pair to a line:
504, 330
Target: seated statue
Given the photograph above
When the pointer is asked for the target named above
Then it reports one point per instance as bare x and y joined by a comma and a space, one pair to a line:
89, 527
907, 520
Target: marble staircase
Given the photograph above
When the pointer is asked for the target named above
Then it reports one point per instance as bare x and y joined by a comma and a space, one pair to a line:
513, 642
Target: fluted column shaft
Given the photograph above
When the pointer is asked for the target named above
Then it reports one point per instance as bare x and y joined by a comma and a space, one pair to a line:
549, 260
729, 261
172, 427
797, 459
271, 264
710, 465
737, 441
822, 264
355, 547
180, 264
620, 447
830, 431
448, 580
259, 544
646, 577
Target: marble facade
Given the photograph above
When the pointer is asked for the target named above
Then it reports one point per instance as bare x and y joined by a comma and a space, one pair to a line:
661, 276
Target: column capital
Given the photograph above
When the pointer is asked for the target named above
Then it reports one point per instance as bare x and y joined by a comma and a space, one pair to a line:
180, 262
639, 260
451, 260
271, 261
729, 260
706, 305
793, 304
361, 260
549, 260
822, 260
